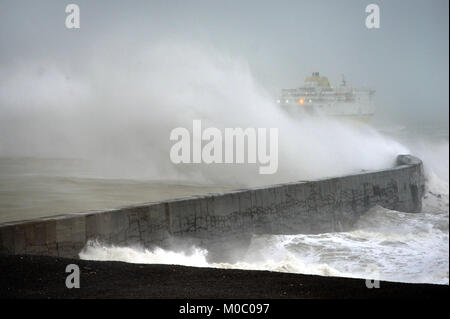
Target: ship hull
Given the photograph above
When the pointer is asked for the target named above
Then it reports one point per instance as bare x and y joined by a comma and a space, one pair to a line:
356, 111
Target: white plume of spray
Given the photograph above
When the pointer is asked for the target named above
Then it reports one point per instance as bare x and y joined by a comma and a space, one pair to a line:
118, 110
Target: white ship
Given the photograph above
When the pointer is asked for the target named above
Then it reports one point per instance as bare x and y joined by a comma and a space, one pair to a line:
317, 97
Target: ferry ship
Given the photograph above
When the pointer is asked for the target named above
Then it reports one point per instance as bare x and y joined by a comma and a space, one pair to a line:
318, 97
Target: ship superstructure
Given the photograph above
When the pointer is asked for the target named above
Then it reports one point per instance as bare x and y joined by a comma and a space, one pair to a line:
318, 97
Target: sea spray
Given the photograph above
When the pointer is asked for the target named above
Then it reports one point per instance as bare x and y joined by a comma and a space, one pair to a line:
118, 111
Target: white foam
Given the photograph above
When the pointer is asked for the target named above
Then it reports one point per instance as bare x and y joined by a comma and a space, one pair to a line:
396, 246
96, 251
390, 245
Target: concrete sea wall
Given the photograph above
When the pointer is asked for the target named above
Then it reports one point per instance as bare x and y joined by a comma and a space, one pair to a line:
324, 205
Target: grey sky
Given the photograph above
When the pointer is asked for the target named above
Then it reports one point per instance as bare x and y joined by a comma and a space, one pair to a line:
406, 60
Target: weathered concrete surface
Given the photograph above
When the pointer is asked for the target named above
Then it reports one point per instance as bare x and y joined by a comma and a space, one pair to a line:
323, 205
